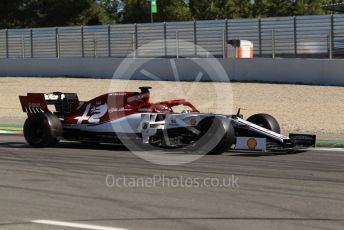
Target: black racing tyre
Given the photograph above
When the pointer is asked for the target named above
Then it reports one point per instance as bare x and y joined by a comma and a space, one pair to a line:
266, 121
217, 136
43, 130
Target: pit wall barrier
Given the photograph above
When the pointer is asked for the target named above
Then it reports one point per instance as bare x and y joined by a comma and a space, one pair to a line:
303, 71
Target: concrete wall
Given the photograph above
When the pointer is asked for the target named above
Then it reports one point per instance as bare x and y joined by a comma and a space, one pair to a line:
306, 71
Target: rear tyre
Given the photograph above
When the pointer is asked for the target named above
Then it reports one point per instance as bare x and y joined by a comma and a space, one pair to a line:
266, 121
217, 136
43, 130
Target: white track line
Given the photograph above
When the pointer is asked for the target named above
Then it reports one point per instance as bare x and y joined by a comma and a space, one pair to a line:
10, 132
328, 149
4, 132
74, 225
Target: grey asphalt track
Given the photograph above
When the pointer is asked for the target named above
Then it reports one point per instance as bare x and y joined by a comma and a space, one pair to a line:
68, 184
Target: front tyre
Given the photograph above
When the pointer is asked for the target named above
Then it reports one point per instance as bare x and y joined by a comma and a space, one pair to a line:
266, 121
217, 136
42, 130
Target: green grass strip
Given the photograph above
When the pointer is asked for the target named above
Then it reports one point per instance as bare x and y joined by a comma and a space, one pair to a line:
11, 128
330, 143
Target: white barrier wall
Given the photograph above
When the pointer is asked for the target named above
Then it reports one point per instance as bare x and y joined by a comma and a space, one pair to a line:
306, 71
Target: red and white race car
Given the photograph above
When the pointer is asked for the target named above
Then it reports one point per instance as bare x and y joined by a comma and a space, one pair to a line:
130, 117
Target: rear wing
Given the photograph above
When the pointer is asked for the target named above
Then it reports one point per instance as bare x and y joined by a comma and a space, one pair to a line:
38, 102
34, 103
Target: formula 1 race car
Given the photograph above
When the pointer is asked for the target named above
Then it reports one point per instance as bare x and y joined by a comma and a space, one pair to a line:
130, 117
